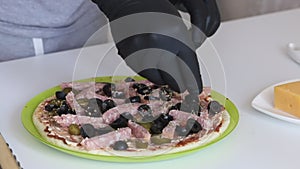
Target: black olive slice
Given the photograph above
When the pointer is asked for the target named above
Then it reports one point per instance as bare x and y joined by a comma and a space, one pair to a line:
104, 130
165, 93
60, 95
87, 130
142, 88
156, 128
119, 123
181, 131
94, 107
129, 79
108, 104
135, 99
193, 126
120, 145
108, 88
214, 107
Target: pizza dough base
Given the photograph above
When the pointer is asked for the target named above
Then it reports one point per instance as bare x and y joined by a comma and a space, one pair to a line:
139, 153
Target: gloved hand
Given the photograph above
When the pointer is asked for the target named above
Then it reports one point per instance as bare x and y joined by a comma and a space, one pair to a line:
205, 16
153, 40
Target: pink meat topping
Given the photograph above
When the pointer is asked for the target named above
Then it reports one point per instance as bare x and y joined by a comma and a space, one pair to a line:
77, 85
182, 117
208, 123
106, 140
72, 102
169, 130
90, 93
66, 119
158, 107
139, 131
114, 113
205, 93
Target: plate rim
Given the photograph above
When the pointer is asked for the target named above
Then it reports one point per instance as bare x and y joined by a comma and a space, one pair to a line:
288, 118
26, 118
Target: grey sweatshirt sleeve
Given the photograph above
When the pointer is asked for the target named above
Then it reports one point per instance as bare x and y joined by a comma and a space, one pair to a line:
61, 24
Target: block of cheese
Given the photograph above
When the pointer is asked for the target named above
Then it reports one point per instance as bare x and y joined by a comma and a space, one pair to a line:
287, 98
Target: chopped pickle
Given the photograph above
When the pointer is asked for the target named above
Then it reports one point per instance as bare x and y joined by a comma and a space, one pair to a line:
146, 125
55, 102
159, 140
83, 102
52, 113
141, 144
74, 129
67, 90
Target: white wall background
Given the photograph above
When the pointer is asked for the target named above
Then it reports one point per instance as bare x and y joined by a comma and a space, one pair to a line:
234, 9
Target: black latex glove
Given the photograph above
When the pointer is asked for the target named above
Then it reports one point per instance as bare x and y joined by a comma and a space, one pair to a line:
205, 16
154, 42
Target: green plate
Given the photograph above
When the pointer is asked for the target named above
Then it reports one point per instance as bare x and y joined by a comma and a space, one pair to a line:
29, 109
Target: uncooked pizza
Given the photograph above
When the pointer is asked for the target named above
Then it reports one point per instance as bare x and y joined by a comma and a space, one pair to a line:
129, 118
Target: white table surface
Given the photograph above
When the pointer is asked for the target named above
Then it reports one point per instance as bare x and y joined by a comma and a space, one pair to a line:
253, 53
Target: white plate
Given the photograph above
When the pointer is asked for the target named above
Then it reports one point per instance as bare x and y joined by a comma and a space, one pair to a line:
263, 102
